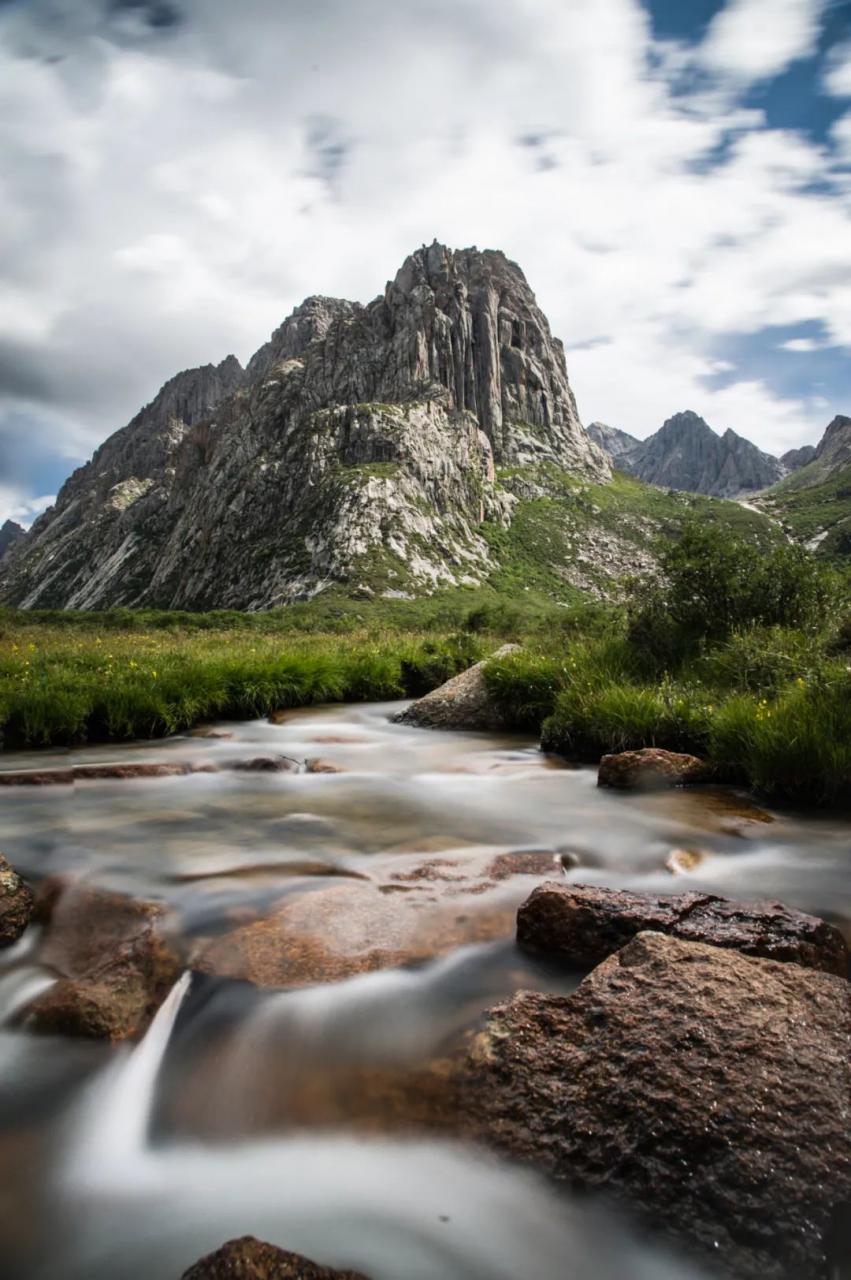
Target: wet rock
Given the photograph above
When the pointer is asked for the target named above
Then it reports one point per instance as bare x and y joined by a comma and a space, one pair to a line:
251, 1259
279, 716
208, 731
583, 924
680, 862
462, 703
265, 764
315, 764
36, 777
337, 931
524, 862
650, 768
16, 904
114, 962
120, 771
709, 1090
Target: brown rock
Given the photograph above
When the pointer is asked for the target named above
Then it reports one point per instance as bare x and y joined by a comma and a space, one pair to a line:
113, 962
681, 861
250, 1259
265, 764
651, 767
315, 764
462, 703
206, 731
279, 716
524, 862
710, 1090
16, 904
121, 771
339, 930
36, 777
584, 923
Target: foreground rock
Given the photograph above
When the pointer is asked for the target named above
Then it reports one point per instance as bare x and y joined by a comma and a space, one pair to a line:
583, 924
250, 1259
462, 703
651, 768
709, 1090
16, 904
114, 963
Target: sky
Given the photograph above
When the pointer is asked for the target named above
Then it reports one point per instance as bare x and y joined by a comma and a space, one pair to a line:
673, 176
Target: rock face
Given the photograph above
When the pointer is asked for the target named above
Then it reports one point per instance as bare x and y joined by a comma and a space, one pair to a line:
250, 1259
794, 459
16, 904
461, 703
708, 1090
583, 924
10, 533
685, 453
359, 440
114, 965
619, 445
649, 768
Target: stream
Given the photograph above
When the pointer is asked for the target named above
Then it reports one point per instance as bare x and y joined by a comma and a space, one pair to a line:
243, 1109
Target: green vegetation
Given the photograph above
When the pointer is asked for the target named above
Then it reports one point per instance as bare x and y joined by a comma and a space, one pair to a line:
813, 507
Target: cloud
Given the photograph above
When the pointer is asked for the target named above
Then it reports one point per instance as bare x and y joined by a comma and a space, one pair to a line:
837, 77
176, 178
750, 40
22, 510
800, 344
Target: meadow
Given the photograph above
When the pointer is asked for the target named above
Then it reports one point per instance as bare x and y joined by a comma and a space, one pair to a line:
741, 657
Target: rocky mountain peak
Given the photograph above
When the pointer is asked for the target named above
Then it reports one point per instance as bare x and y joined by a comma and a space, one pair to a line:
835, 445
10, 532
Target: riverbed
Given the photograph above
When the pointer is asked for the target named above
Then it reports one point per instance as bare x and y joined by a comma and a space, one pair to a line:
397, 869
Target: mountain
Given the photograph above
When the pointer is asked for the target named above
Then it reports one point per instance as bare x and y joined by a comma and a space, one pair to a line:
10, 532
814, 502
794, 459
685, 453
619, 445
360, 445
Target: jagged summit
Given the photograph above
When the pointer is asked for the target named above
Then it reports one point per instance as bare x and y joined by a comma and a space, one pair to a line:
357, 436
10, 533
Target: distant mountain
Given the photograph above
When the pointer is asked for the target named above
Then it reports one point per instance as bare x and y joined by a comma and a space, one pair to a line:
10, 532
685, 453
794, 459
814, 502
619, 445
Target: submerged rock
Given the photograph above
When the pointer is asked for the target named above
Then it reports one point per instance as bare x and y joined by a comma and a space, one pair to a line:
461, 703
709, 1090
583, 924
113, 961
651, 767
16, 904
251, 1259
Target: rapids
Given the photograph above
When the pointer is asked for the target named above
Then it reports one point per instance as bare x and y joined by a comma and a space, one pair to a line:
234, 1114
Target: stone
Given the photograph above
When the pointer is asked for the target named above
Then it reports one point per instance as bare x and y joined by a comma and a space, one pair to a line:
119, 771
461, 703
16, 904
356, 432
264, 764
649, 768
114, 963
315, 764
681, 862
583, 924
707, 1090
251, 1259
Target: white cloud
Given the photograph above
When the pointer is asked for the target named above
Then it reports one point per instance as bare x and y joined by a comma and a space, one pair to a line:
800, 344
751, 40
837, 78
168, 198
14, 506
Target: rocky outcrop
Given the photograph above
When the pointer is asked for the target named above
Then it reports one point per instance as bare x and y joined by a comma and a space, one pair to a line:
794, 459
360, 443
834, 449
651, 768
708, 1091
10, 533
114, 964
251, 1259
461, 703
16, 904
685, 453
583, 924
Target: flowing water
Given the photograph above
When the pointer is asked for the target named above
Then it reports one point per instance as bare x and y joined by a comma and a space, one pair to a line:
248, 1110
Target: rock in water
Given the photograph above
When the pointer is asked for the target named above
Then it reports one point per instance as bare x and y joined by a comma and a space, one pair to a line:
114, 962
359, 439
250, 1259
708, 1090
651, 767
16, 904
461, 703
583, 924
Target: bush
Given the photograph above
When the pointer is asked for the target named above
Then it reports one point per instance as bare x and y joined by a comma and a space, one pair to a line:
590, 721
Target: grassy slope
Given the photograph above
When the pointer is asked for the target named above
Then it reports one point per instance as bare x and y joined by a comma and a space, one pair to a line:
808, 504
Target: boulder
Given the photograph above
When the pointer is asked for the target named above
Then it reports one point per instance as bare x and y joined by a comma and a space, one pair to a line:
583, 924
265, 764
462, 703
121, 771
250, 1259
16, 904
651, 768
708, 1090
316, 764
113, 962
